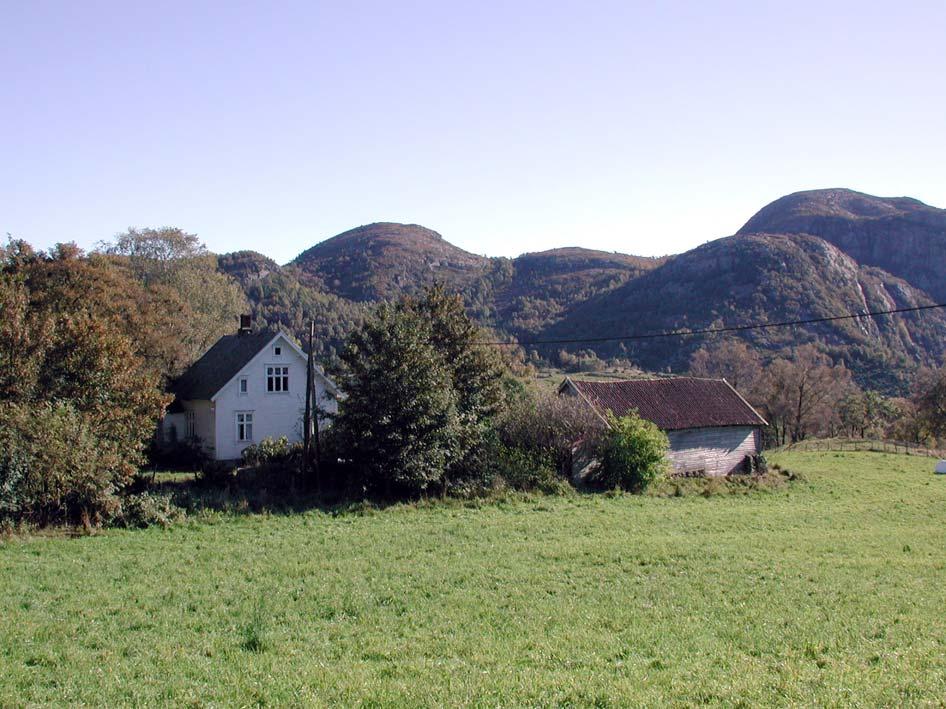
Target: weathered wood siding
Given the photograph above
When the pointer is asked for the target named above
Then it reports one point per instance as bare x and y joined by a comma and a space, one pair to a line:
715, 451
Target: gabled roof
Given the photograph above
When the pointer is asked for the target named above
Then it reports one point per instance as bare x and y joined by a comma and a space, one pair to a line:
220, 364
671, 403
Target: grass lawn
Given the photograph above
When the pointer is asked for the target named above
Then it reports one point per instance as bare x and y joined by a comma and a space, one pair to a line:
829, 591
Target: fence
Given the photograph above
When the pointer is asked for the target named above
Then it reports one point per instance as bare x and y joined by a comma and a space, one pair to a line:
863, 444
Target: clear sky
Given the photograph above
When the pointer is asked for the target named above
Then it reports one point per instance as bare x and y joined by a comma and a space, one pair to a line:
643, 127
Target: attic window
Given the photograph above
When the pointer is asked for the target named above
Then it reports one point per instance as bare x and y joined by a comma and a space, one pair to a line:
277, 350
244, 385
277, 379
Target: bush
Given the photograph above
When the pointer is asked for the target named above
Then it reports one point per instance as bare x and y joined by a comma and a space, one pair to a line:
495, 465
147, 509
55, 468
272, 451
216, 473
527, 472
181, 455
755, 464
549, 427
633, 454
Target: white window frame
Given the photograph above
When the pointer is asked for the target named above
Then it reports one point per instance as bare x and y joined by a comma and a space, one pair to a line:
243, 386
279, 381
247, 420
277, 350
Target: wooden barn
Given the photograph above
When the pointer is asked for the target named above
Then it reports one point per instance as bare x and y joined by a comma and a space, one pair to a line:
710, 426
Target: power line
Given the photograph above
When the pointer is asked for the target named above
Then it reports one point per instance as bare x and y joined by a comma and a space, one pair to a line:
715, 330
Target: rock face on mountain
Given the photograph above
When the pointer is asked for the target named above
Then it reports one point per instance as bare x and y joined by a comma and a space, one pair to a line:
900, 235
246, 266
763, 278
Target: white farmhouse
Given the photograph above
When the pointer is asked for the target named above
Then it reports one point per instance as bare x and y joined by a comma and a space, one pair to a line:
247, 387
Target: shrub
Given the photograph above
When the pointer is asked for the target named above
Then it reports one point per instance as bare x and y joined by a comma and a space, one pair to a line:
272, 451
217, 472
147, 509
55, 468
548, 427
525, 471
633, 454
755, 464
181, 455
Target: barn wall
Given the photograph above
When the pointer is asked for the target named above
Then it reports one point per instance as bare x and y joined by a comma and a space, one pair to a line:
717, 451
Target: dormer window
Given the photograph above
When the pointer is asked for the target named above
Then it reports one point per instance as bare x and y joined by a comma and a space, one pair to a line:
277, 379
277, 350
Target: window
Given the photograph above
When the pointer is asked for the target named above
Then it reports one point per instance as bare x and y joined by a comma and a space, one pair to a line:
244, 425
277, 378
277, 350
244, 385
191, 422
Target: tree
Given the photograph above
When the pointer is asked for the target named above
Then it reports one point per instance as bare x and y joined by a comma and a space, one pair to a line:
66, 281
174, 266
734, 361
24, 335
852, 411
421, 393
801, 393
398, 422
79, 404
931, 404
547, 426
476, 372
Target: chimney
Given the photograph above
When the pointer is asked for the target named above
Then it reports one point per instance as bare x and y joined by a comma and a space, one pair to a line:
246, 326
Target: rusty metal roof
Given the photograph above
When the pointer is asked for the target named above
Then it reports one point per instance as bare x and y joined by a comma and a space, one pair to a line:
672, 403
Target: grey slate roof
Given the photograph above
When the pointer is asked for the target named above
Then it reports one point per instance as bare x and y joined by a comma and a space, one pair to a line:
219, 364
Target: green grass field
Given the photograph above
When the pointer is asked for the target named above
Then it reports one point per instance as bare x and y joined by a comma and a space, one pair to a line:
831, 591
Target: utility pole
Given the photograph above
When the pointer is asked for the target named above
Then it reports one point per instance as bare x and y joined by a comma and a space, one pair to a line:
307, 421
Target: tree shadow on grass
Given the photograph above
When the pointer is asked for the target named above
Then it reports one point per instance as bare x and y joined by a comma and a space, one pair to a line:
274, 491
261, 490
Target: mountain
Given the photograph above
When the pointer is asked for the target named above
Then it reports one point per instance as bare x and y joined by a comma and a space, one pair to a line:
807, 255
758, 278
544, 286
521, 296
381, 261
901, 235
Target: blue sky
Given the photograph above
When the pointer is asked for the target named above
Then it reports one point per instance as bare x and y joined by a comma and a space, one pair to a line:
642, 127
